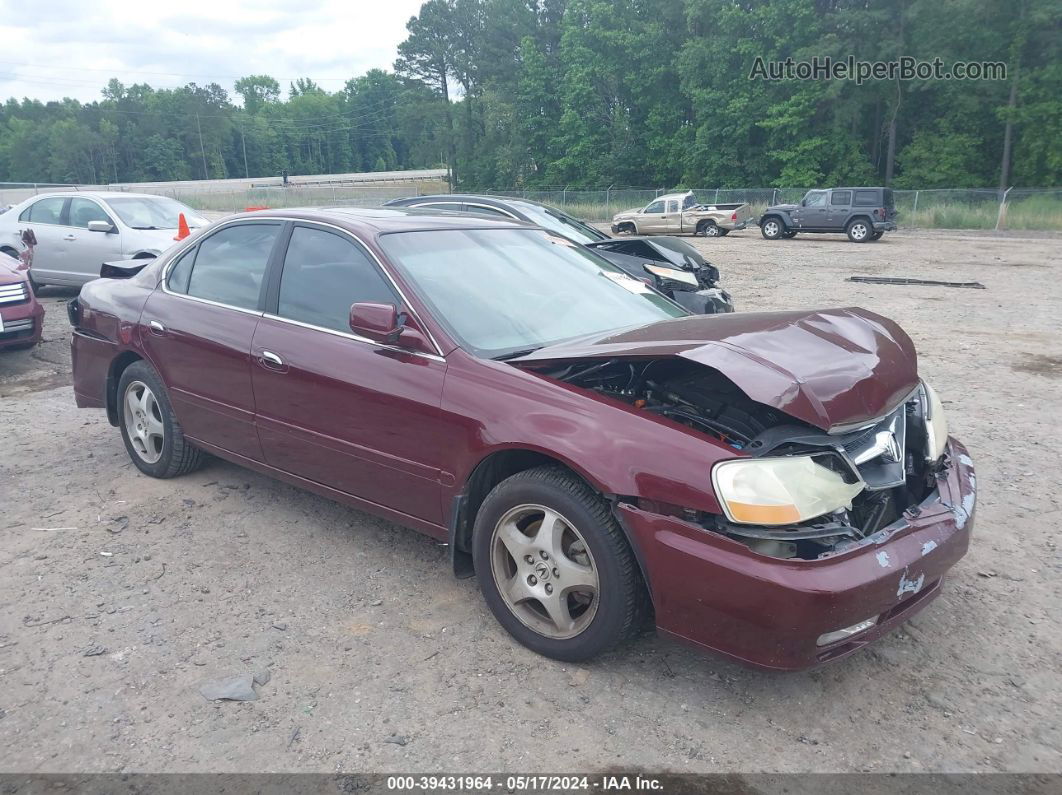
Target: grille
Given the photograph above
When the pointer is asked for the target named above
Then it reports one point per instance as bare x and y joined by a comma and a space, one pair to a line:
13, 293
14, 327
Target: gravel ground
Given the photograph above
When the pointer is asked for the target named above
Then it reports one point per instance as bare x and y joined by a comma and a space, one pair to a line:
120, 595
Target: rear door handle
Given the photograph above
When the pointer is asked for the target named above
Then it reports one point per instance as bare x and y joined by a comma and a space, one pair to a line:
270, 359
69, 237
156, 327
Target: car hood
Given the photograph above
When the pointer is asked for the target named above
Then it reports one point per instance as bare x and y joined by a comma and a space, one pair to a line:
784, 207
632, 211
832, 368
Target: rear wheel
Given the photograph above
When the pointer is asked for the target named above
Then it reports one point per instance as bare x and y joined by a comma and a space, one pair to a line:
554, 566
709, 229
772, 228
153, 437
859, 230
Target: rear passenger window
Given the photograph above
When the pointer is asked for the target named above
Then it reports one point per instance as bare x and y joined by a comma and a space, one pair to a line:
841, 197
324, 273
231, 264
181, 272
45, 211
866, 198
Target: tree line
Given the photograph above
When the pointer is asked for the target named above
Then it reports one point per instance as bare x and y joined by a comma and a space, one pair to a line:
603, 92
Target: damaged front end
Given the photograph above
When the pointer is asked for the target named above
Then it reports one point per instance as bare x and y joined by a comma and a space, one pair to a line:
835, 438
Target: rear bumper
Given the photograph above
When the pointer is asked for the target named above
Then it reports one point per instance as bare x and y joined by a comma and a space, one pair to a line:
884, 226
91, 359
23, 324
717, 594
738, 226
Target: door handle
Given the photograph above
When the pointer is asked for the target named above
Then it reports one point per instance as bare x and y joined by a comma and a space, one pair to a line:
156, 327
270, 359
69, 237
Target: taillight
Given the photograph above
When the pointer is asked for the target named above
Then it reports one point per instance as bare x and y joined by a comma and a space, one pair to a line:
733, 216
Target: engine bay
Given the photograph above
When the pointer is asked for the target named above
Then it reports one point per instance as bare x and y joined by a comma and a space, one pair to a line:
886, 455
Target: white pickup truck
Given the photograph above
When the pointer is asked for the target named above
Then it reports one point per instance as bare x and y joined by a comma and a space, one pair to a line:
681, 214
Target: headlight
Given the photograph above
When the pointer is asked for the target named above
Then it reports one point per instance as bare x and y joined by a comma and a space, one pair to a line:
776, 491
936, 423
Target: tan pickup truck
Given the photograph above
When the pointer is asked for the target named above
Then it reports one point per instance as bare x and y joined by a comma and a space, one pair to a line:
681, 214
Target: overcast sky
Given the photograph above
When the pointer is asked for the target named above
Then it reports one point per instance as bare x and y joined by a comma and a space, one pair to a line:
71, 48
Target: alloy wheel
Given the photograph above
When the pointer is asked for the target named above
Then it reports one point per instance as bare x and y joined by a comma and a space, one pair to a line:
711, 230
858, 231
771, 228
143, 422
544, 571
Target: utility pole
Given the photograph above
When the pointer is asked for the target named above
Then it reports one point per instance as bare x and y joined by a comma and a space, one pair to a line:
243, 140
202, 149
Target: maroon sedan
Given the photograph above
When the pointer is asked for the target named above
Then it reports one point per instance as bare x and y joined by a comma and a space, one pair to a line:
21, 316
779, 487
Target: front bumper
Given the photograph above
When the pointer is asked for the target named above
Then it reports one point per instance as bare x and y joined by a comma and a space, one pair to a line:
23, 324
712, 301
719, 595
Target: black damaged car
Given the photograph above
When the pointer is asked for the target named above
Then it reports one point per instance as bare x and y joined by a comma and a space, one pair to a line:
672, 266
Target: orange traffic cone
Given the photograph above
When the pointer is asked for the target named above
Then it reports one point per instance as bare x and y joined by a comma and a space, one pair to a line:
182, 228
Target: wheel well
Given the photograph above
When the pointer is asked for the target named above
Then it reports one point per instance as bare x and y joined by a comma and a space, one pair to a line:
114, 375
488, 473
705, 222
855, 218
145, 255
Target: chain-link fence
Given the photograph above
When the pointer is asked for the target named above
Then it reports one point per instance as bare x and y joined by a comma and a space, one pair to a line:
948, 208
960, 208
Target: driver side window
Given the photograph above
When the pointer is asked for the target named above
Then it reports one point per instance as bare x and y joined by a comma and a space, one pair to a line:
655, 207
84, 210
815, 200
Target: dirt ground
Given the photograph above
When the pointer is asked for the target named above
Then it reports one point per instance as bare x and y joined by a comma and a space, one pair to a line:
120, 594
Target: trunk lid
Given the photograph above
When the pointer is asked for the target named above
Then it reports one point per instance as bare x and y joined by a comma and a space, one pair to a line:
831, 368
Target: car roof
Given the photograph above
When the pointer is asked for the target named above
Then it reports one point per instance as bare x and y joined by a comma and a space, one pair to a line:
501, 202
384, 220
100, 194
673, 196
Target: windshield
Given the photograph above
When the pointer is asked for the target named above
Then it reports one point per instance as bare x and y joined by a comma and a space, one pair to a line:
561, 223
142, 212
504, 291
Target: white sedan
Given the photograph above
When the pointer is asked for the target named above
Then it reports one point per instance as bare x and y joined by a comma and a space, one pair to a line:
77, 232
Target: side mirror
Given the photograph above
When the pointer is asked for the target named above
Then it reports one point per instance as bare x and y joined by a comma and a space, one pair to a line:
100, 226
803, 202
382, 323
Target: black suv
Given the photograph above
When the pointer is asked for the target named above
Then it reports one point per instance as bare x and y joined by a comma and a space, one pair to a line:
861, 213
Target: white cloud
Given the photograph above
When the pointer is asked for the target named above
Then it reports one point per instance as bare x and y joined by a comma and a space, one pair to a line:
62, 48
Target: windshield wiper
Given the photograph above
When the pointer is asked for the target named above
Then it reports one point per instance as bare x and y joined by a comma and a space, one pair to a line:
516, 354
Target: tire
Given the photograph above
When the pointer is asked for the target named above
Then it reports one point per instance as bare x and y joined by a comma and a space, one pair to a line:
789, 234
627, 229
876, 235
859, 230
772, 227
606, 602
165, 454
709, 229
723, 232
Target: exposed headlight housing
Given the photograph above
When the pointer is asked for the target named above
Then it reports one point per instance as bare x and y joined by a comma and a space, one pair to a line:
936, 423
780, 491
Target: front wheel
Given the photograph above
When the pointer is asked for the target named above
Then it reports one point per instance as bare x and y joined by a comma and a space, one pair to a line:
555, 567
789, 234
859, 231
153, 437
772, 228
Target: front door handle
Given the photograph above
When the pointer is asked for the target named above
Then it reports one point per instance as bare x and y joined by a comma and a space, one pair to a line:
271, 359
156, 327
69, 237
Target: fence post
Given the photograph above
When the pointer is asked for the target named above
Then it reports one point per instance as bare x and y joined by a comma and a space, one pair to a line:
717, 195
915, 208
564, 196
1003, 207
774, 197
608, 199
